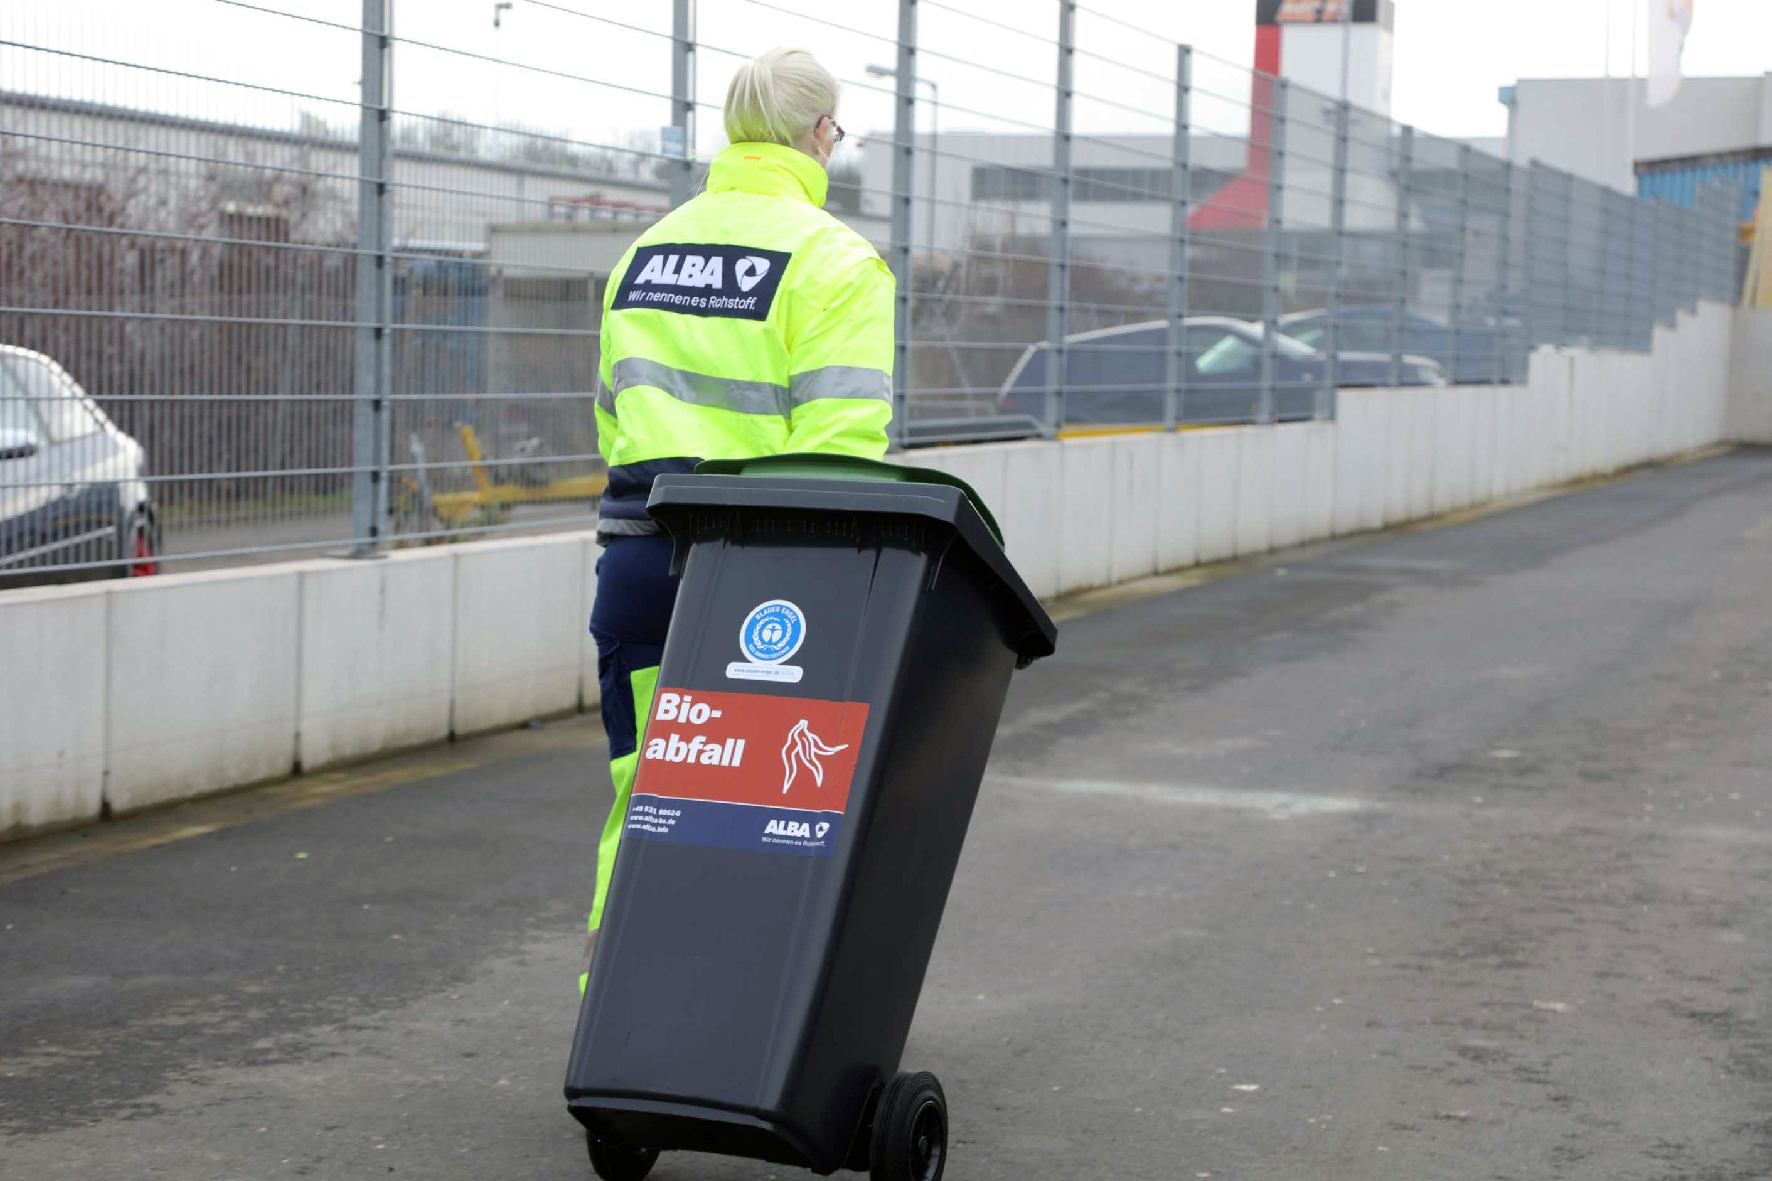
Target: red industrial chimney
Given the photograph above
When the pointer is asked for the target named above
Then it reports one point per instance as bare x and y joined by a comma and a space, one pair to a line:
1301, 40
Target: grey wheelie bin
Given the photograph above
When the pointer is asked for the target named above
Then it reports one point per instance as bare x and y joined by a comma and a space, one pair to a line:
837, 662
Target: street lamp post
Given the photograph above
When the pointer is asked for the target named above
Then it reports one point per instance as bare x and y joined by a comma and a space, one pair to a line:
934, 134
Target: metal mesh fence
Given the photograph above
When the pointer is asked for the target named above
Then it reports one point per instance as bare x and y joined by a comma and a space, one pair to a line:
281, 278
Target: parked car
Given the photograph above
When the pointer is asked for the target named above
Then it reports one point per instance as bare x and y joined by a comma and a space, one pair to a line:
1116, 376
72, 486
1369, 328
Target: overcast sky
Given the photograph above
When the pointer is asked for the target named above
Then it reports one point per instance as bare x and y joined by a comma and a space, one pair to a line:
1451, 55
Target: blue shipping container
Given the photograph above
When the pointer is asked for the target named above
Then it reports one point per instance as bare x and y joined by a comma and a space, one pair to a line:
1679, 186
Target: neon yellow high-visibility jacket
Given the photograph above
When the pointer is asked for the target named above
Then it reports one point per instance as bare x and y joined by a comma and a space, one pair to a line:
747, 322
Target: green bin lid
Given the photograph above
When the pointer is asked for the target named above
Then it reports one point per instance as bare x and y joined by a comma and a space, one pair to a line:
818, 466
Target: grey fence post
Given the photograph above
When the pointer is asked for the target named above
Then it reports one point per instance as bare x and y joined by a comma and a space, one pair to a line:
1504, 265
1728, 201
372, 363
1651, 269
1707, 258
1399, 311
1693, 252
1700, 240
1642, 301
1688, 269
1728, 197
1694, 245
1326, 398
1632, 273
1532, 317
1670, 259
1567, 270
1719, 219
1273, 244
1458, 263
1058, 268
1180, 207
904, 168
1672, 224
1707, 242
1558, 272
1652, 286
1676, 224
1627, 213
1603, 320
683, 98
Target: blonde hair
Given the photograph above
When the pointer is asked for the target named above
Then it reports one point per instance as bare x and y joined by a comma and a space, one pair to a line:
777, 98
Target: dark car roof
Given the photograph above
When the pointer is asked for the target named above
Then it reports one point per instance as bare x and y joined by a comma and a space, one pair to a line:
1361, 311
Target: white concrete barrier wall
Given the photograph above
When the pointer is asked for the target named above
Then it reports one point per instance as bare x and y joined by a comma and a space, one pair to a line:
1750, 376
1086, 514
520, 613
1287, 471
1319, 481
202, 681
377, 654
1178, 505
1220, 453
52, 706
167, 688
1255, 492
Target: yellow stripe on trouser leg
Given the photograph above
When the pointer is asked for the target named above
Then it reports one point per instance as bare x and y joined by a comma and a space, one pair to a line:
621, 771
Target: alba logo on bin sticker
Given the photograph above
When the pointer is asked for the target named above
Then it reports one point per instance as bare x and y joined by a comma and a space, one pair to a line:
697, 784
771, 633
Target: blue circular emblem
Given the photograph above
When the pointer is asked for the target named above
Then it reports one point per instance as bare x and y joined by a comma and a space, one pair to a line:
772, 632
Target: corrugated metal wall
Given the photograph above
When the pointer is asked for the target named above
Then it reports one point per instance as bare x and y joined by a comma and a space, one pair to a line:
1680, 185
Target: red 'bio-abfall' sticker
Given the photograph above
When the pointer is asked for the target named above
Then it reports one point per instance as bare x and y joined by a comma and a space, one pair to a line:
746, 771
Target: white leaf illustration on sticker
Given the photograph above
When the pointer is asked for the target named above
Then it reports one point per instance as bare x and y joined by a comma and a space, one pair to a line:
750, 271
804, 747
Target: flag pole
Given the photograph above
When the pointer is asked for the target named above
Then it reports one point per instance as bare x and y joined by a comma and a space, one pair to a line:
1606, 93
1630, 106
1347, 29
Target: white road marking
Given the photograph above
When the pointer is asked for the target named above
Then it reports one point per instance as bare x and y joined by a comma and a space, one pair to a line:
1284, 805
1280, 805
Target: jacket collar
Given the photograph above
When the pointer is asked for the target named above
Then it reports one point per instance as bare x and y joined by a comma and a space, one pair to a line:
770, 169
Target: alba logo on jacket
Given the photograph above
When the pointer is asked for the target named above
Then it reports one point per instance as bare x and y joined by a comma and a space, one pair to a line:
750, 271
693, 279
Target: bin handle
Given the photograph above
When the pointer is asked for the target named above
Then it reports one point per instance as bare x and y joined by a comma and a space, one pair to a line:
824, 466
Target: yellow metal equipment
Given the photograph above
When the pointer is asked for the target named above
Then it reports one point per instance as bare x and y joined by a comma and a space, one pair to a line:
1756, 291
424, 517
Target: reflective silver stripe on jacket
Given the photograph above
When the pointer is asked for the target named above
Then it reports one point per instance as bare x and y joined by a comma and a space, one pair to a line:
627, 527
605, 398
746, 397
841, 381
701, 389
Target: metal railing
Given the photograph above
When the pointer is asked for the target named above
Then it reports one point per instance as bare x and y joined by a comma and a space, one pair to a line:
353, 303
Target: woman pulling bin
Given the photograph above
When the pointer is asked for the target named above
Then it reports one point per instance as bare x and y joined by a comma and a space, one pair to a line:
747, 322
791, 827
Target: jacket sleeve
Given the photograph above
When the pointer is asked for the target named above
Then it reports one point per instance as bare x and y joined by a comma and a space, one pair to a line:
603, 400
840, 362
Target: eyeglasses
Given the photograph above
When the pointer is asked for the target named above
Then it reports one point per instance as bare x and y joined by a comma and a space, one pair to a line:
838, 128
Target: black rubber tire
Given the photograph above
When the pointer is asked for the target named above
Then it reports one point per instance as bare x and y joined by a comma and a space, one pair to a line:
133, 560
614, 1161
910, 1137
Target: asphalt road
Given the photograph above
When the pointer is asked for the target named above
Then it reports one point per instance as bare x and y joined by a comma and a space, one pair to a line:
1440, 855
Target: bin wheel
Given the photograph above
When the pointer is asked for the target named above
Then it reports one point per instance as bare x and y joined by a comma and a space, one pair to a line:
613, 1160
910, 1139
